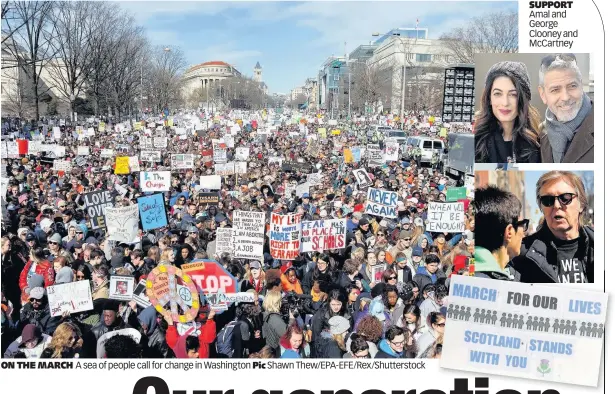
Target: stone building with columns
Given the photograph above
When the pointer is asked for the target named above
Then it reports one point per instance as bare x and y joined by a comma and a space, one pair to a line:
208, 75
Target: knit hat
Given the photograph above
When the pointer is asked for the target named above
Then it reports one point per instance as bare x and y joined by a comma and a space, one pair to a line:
37, 293
64, 275
57, 238
516, 71
338, 325
417, 251
376, 309
35, 280
405, 234
29, 333
363, 221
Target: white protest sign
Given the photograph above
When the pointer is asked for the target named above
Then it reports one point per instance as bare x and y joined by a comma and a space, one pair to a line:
160, 142
59, 150
362, 178
303, 188
70, 297
242, 154
248, 234
524, 330
445, 217
224, 241
34, 147
285, 236
155, 181
229, 141
83, 150
314, 179
211, 182
122, 223
391, 151
152, 156
219, 155
62, 165
381, 203
224, 169
182, 162
320, 235
241, 167
277, 160
133, 163
57, 134
107, 153
121, 287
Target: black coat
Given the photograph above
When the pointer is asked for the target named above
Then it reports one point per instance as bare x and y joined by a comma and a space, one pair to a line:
157, 346
537, 262
41, 318
524, 151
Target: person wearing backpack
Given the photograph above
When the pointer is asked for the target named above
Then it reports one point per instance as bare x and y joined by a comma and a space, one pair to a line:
274, 325
229, 341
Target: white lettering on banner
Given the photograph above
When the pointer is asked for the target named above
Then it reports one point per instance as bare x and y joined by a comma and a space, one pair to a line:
381, 203
155, 181
524, 330
224, 241
445, 217
70, 297
95, 202
248, 234
321, 235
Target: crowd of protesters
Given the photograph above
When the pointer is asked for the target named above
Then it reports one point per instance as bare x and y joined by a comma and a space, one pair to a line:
327, 304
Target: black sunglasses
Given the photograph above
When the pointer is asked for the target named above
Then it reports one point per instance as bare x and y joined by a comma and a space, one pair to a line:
564, 199
525, 223
547, 60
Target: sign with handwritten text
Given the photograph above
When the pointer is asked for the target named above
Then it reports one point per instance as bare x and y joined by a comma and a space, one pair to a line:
152, 212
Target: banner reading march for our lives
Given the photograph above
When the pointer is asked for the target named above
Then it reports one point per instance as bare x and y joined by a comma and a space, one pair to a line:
285, 236
524, 330
381, 203
320, 235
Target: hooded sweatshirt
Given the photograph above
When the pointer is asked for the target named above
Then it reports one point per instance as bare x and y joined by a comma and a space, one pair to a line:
385, 350
64, 275
487, 266
206, 337
148, 317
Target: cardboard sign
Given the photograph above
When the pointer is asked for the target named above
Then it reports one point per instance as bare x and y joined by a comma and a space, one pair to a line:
182, 162
122, 223
210, 277
242, 154
107, 153
321, 235
83, 150
121, 287
122, 165
95, 204
211, 182
208, 198
391, 151
224, 169
152, 212
381, 203
160, 142
224, 241
248, 234
456, 193
139, 295
445, 217
285, 236
529, 331
155, 181
62, 165
70, 297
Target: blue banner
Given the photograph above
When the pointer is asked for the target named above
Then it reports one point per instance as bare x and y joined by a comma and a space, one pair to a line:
152, 211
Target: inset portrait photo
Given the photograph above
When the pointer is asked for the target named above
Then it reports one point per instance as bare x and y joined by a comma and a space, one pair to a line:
534, 108
534, 226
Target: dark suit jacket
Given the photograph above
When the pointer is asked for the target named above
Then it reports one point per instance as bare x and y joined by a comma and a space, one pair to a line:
581, 148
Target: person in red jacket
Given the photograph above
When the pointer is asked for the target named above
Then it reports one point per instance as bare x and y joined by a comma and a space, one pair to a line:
206, 336
37, 264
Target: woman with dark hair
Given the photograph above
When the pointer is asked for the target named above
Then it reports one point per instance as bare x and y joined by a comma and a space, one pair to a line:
322, 272
436, 322
336, 305
82, 272
507, 127
413, 320
359, 348
187, 253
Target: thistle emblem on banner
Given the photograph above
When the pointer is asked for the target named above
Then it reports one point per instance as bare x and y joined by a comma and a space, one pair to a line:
543, 368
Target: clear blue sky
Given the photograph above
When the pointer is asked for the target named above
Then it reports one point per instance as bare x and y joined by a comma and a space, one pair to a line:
290, 39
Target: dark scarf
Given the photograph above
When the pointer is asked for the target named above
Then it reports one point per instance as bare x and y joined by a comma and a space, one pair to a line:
561, 133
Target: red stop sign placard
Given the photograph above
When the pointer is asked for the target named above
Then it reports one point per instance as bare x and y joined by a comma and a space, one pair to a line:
210, 277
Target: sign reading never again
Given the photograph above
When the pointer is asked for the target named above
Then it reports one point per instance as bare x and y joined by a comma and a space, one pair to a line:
524, 330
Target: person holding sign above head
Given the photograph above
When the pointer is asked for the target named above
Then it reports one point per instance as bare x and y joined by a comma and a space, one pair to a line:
562, 250
506, 128
498, 233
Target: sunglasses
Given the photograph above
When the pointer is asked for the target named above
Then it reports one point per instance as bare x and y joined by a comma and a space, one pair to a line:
547, 60
564, 199
525, 223
52, 243
35, 300
380, 234
407, 239
392, 277
80, 277
441, 324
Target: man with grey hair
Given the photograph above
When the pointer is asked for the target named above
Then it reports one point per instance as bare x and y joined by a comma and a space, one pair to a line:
568, 129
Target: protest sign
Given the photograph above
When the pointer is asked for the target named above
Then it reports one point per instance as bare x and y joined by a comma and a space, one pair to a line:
219, 155
107, 153
122, 165
210, 277
211, 182
302, 189
95, 204
285, 236
241, 167
242, 154
146, 143
34, 147
524, 330
277, 160
57, 133
348, 156
182, 162
70, 297
152, 211
139, 295
456, 193
133, 164
165, 286
121, 287
160, 142
80, 161
374, 156
377, 272
391, 151
83, 151
62, 165
151, 156
122, 223
248, 234
362, 178
381, 203
224, 241
224, 169
320, 235
445, 217
208, 198
314, 179
155, 181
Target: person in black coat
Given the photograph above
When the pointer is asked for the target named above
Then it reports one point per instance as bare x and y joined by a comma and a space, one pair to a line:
109, 321
155, 335
37, 312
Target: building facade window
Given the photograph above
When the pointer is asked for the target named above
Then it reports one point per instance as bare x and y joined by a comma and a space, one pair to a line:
422, 57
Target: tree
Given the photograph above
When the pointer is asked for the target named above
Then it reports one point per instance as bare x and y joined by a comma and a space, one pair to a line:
300, 99
26, 43
496, 32
163, 71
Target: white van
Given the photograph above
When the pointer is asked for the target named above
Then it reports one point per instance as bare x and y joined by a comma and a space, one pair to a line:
428, 147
